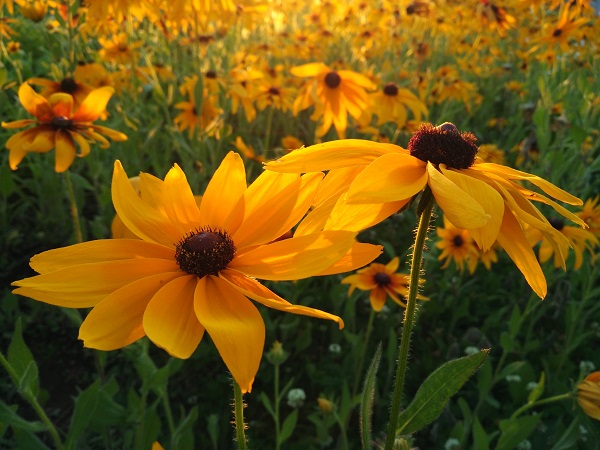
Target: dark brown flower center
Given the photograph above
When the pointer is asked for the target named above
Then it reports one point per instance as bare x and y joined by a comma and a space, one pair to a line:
458, 241
332, 80
205, 251
382, 279
68, 85
557, 32
211, 74
557, 223
61, 123
390, 89
444, 144
274, 90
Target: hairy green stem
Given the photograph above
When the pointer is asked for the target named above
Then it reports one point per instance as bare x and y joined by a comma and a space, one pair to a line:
238, 412
409, 317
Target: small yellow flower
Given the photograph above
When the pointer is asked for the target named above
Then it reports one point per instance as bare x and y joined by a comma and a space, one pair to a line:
588, 395
326, 406
290, 143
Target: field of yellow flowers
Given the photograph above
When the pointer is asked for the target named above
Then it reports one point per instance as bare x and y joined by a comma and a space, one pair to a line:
273, 224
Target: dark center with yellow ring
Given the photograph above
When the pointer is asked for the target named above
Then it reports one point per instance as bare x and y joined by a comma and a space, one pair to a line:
205, 251
61, 123
458, 241
333, 80
68, 85
390, 89
557, 224
382, 279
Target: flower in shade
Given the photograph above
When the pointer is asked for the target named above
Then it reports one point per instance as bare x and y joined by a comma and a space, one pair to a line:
193, 268
335, 94
588, 395
382, 281
485, 198
58, 127
590, 214
78, 90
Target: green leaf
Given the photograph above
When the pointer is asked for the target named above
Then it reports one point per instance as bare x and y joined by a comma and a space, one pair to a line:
212, 426
481, 441
436, 390
514, 322
538, 390
264, 398
368, 396
28, 440
515, 431
289, 424
9, 416
7, 185
21, 360
569, 438
183, 437
510, 369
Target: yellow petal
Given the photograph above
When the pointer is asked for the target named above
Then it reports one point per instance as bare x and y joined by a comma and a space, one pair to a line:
235, 326
256, 291
102, 250
93, 105
65, 151
332, 155
178, 201
389, 178
357, 217
462, 209
17, 123
146, 222
514, 242
273, 218
84, 145
358, 256
34, 103
61, 104
295, 258
488, 198
169, 320
309, 70
377, 298
85, 285
110, 133
117, 320
222, 194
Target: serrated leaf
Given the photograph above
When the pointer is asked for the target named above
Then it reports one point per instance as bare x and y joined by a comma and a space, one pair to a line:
9, 416
436, 390
515, 431
21, 360
368, 396
289, 424
538, 390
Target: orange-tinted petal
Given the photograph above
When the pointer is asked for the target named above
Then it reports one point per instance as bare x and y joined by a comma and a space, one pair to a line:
235, 326
65, 151
34, 103
357, 217
61, 104
358, 256
178, 201
309, 70
169, 320
93, 105
377, 298
117, 320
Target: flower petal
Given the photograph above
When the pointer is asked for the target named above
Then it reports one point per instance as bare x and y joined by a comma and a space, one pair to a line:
117, 320
389, 178
34, 103
256, 291
146, 222
178, 201
235, 326
65, 151
295, 258
513, 240
102, 250
169, 320
222, 194
357, 217
93, 105
358, 256
462, 209
85, 285
309, 70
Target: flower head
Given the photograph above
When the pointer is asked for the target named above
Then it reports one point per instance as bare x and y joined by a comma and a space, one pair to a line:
588, 395
57, 126
484, 198
192, 268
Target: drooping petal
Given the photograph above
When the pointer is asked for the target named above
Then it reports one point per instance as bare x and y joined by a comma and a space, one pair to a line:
222, 194
256, 291
65, 151
169, 320
84, 145
377, 298
489, 199
235, 326
93, 105
295, 258
146, 222
462, 209
178, 201
34, 103
332, 155
358, 256
102, 250
358, 217
116, 136
17, 123
515, 243
85, 285
390, 178
117, 320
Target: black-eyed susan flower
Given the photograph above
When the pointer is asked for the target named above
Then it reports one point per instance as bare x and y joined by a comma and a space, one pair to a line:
590, 214
485, 198
456, 245
391, 104
334, 93
588, 395
382, 280
193, 268
58, 127
68, 85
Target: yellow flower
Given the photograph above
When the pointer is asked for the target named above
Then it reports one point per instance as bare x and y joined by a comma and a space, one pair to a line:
484, 198
57, 126
383, 281
190, 118
588, 395
247, 150
290, 143
457, 245
590, 214
391, 103
118, 49
78, 90
335, 94
34, 10
192, 269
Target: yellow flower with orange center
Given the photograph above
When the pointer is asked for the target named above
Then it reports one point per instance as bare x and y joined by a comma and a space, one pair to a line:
588, 395
58, 127
192, 269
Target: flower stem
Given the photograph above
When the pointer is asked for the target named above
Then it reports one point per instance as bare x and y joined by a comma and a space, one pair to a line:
544, 401
74, 210
409, 317
267, 142
238, 412
361, 361
276, 400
